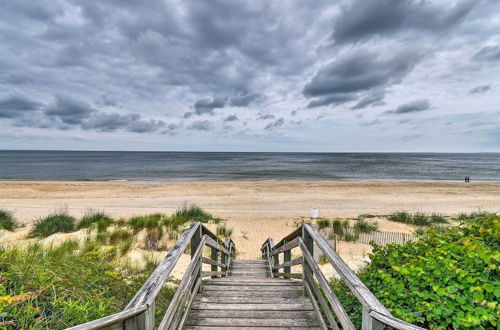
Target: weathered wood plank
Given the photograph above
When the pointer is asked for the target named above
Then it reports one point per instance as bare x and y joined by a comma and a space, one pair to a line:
289, 275
293, 262
249, 300
393, 322
212, 243
282, 294
154, 283
258, 282
187, 308
255, 307
253, 314
256, 288
315, 305
320, 298
212, 274
246, 280
185, 286
195, 327
337, 307
235, 322
112, 319
287, 246
364, 295
212, 262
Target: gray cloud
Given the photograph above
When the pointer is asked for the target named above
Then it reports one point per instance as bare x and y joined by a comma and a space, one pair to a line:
375, 98
266, 117
414, 106
488, 54
275, 124
16, 106
344, 78
201, 125
480, 89
70, 111
207, 106
363, 19
231, 118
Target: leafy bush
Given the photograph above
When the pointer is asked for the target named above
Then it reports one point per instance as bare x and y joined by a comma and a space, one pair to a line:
363, 226
57, 222
59, 287
7, 220
417, 219
323, 223
446, 280
90, 217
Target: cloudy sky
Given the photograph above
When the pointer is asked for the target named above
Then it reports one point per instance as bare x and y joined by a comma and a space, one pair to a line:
354, 75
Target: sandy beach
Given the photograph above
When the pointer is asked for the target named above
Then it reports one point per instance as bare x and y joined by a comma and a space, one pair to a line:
255, 209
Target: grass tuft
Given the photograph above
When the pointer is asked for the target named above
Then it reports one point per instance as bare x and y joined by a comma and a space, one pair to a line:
363, 226
224, 230
148, 221
323, 223
417, 219
57, 222
90, 217
7, 220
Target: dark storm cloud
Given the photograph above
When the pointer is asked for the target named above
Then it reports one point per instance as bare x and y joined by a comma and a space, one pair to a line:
231, 118
480, 89
207, 106
344, 78
16, 106
414, 106
488, 54
363, 19
201, 125
69, 110
275, 124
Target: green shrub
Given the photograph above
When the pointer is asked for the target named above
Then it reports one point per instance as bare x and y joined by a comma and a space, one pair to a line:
363, 226
90, 217
63, 286
7, 220
323, 223
193, 213
57, 222
446, 280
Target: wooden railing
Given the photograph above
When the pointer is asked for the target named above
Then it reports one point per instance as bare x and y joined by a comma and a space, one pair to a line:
328, 307
140, 311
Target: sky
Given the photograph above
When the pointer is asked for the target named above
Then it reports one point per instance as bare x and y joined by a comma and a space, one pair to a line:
206, 75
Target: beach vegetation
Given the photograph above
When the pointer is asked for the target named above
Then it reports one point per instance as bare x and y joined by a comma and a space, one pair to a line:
119, 235
7, 220
417, 218
472, 215
323, 223
193, 213
56, 287
91, 217
148, 221
224, 230
56, 222
448, 279
363, 226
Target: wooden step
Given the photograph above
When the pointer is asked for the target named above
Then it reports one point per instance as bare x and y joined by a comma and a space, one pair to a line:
248, 300
255, 307
246, 282
283, 294
256, 288
250, 322
207, 313
196, 327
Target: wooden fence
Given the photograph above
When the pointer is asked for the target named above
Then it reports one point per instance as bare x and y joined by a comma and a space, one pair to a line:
383, 237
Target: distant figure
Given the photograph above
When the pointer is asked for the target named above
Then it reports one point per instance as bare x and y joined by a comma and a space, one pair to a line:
467, 179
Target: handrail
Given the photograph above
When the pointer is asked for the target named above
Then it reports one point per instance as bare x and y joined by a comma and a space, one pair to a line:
140, 311
325, 302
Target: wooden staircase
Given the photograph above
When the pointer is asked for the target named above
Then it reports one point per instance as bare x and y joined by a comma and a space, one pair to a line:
248, 298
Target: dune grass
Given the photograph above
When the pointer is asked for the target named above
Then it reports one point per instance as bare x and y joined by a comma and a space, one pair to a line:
7, 220
323, 223
224, 230
57, 222
363, 226
100, 218
417, 219
61, 286
148, 221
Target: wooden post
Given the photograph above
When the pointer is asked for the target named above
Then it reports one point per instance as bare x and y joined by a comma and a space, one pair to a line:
214, 255
195, 243
369, 323
287, 257
309, 244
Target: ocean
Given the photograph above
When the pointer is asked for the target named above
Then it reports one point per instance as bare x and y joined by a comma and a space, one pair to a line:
211, 166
